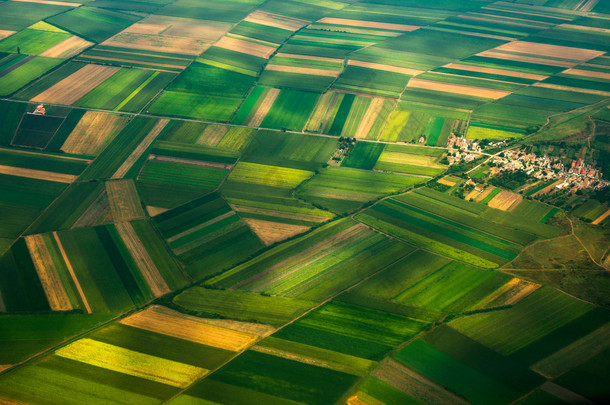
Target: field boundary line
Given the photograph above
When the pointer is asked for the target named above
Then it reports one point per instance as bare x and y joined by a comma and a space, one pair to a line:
72, 273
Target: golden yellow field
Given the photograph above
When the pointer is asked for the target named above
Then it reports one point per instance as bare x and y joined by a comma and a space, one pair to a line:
68, 48
172, 323
264, 108
47, 273
505, 200
93, 132
271, 232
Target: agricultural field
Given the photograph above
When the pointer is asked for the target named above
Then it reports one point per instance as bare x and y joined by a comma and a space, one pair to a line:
292, 202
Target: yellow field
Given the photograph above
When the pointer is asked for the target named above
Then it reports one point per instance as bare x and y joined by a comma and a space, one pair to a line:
409, 159
396, 122
601, 217
446, 182
130, 362
265, 175
172, 323
236, 138
475, 132
93, 132
271, 232
505, 200
47, 273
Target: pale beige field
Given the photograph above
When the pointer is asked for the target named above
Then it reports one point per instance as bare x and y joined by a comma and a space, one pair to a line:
75, 86
170, 34
251, 328
55, 3
93, 132
406, 158
368, 24
141, 148
275, 20
172, 323
124, 200
37, 174
316, 118
575, 89
302, 70
271, 232
554, 51
505, 200
145, 263
264, 108
47, 273
307, 57
457, 88
133, 363
502, 72
212, 134
72, 274
247, 47
6, 33
369, 118
587, 73
68, 48
153, 211
523, 58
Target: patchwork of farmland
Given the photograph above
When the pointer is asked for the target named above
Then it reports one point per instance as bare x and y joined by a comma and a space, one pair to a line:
250, 202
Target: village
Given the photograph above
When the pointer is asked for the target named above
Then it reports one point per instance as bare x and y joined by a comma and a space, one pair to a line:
578, 175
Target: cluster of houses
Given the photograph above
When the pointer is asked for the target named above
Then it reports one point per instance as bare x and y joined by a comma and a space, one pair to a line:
578, 176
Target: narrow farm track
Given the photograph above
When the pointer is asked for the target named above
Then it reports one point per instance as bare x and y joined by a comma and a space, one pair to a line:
584, 247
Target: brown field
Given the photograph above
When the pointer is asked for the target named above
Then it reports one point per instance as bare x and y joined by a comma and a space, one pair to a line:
47, 273
585, 28
139, 151
601, 217
271, 232
304, 71
93, 133
181, 45
316, 118
147, 266
192, 162
68, 48
124, 200
485, 193
6, 33
502, 72
72, 274
279, 214
587, 73
247, 47
411, 383
275, 20
575, 89
368, 24
446, 182
212, 134
369, 118
522, 58
505, 200
37, 174
264, 108
306, 360
172, 323
75, 86
307, 57
554, 51
251, 328
153, 211
98, 213
457, 88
